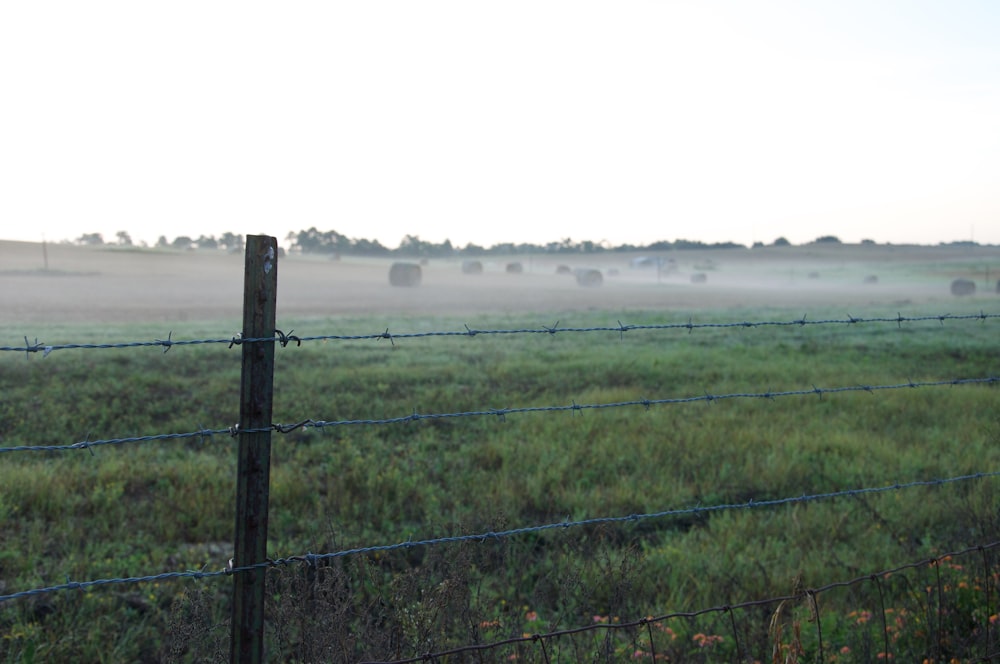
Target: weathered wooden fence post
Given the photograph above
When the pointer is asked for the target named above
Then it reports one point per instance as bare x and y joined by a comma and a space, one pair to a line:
254, 466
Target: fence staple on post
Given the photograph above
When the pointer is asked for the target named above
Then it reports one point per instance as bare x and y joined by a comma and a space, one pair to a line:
254, 464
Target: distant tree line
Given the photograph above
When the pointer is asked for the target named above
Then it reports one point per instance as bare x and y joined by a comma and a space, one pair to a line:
331, 242
226, 242
314, 241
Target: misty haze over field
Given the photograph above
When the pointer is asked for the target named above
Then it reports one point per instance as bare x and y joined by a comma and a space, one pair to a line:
66, 282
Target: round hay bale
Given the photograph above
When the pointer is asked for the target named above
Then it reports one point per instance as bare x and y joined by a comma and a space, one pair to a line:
871, 279
699, 278
514, 268
813, 275
472, 267
998, 285
564, 269
589, 278
961, 287
405, 274
613, 272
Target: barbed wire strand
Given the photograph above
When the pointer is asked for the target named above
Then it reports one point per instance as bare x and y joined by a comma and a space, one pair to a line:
621, 328
91, 444
313, 558
502, 413
647, 403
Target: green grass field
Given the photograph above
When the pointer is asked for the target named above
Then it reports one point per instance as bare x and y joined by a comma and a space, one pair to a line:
143, 508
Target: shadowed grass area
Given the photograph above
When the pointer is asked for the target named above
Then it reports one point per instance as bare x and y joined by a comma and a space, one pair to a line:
142, 508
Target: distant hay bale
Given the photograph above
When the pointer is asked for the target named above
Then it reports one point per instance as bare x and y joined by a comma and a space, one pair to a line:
699, 278
405, 274
589, 278
613, 272
472, 267
963, 287
514, 268
425, 261
813, 275
564, 269
871, 279
998, 285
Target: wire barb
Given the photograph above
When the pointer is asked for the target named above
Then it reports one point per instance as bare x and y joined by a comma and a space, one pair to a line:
166, 343
283, 339
34, 348
288, 428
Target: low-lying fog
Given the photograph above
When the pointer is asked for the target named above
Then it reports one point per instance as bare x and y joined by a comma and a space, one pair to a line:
71, 283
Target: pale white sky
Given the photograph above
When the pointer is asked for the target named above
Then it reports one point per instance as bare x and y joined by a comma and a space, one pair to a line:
515, 121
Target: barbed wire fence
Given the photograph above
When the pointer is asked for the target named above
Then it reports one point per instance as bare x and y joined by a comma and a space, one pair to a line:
650, 635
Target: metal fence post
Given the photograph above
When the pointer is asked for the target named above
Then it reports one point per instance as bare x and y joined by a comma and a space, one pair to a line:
254, 466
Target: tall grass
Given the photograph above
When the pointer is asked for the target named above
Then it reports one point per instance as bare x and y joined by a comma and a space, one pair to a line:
142, 508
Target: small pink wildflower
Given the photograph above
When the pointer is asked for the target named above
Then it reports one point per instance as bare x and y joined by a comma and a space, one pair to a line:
705, 640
